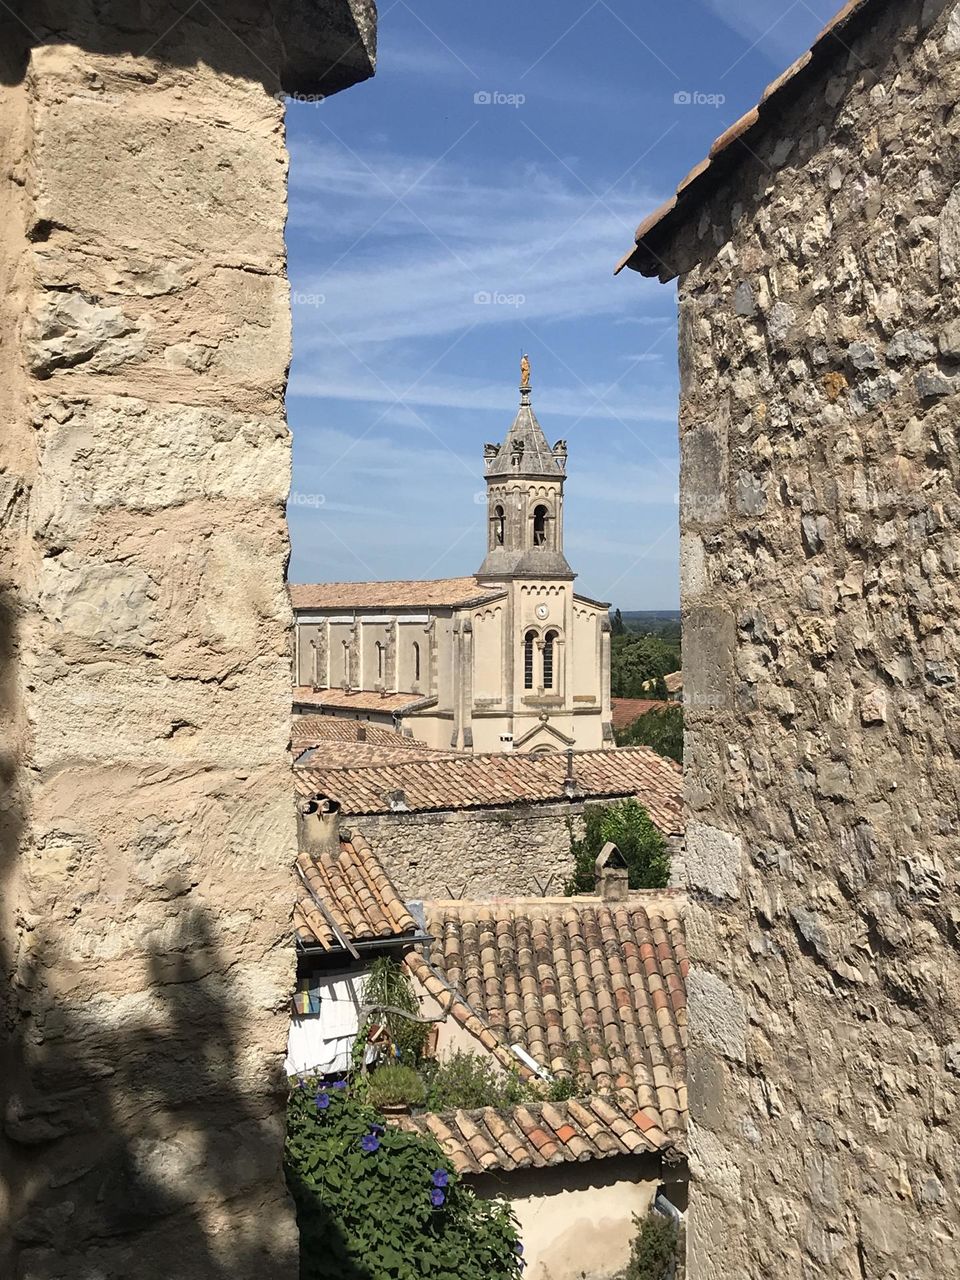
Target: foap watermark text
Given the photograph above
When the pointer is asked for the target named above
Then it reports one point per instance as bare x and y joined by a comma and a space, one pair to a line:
492, 298
495, 98
696, 98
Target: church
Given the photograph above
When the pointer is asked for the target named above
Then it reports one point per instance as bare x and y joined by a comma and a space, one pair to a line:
511, 658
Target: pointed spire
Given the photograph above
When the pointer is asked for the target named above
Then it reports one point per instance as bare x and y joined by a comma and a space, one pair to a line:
525, 450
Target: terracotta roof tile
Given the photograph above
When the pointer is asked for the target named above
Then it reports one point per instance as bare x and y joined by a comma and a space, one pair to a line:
332, 742
592, 992
312, 730
626, 710
538, 1134
654, 231
356, 892
425, 594
496, 780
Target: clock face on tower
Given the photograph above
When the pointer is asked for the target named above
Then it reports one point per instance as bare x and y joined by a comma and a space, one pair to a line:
542, 611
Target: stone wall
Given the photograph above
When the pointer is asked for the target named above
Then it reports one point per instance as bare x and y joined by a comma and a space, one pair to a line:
820, 372
483, 852
479, 853
149, 831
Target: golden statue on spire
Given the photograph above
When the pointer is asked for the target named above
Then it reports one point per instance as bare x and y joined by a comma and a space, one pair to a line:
524, 373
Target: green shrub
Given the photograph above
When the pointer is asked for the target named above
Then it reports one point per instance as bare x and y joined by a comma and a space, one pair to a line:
628, 825
374, 1203
395, 1085
470, 1080
654, 1254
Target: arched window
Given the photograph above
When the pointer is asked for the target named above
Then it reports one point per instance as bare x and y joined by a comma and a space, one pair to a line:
548, 650
416, 660
529, 640
346, 661
379, 660
539, 526
499, 526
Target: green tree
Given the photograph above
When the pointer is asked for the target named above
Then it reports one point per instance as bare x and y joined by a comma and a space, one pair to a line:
616, 626
635, 659
660, 728
628, 825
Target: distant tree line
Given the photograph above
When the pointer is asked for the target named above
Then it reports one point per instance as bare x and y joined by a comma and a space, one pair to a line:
638, 657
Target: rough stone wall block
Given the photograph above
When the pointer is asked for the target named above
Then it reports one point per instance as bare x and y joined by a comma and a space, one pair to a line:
820, 384
147, 829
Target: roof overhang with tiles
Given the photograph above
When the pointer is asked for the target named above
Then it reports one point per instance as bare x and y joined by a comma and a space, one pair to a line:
432, 593
495, 780
347, 904
740, 141
591, 992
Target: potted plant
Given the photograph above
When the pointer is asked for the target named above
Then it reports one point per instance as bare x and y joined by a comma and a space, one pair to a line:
394, 1089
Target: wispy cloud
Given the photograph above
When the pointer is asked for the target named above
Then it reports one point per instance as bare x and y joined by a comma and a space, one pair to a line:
548, 260
594, 401
781, 32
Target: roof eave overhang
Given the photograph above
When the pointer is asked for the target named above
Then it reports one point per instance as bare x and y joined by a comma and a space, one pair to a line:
738, 143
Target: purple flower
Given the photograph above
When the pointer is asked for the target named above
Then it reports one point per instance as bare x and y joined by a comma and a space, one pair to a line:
370, 1143
440, 1177
437, 1197
339, 1084
322, 1100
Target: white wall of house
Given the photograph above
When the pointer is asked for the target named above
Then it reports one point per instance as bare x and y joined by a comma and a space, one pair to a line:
576, 1219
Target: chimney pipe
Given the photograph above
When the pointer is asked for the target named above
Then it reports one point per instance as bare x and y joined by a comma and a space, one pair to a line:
570, 789
318, 826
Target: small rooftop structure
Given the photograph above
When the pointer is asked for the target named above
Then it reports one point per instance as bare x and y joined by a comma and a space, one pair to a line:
613, 874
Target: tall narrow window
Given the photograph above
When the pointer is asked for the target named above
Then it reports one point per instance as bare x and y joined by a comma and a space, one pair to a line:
346, 663
416, 661
529, 641
548, 650
379, 660
499, 526
539, 526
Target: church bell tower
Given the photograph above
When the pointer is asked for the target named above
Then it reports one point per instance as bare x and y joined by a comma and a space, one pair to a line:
524, 479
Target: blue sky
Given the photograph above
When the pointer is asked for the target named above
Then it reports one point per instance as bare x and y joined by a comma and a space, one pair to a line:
468, 204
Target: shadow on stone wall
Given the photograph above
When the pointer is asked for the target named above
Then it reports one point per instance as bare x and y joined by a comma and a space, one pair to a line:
11, 834
138, 1153
126, 1149
307, 46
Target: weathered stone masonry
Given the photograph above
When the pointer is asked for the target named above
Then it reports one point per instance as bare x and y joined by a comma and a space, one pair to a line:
820, 369
148, 828
481, 853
